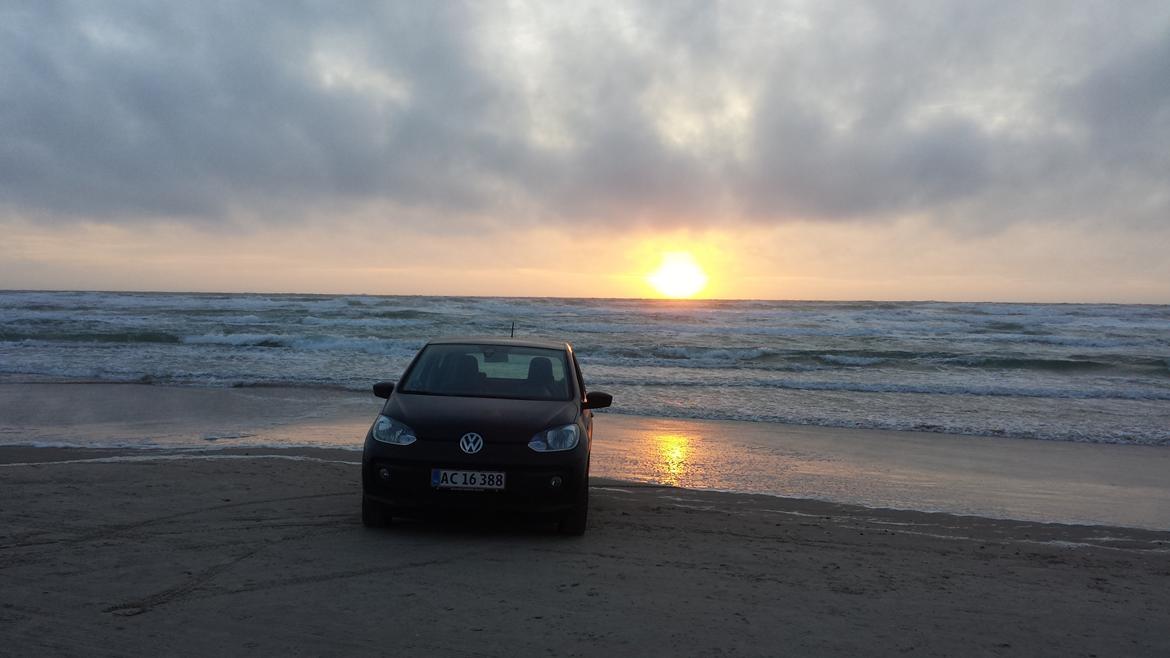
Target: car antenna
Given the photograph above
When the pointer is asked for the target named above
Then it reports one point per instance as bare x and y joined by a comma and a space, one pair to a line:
513, 328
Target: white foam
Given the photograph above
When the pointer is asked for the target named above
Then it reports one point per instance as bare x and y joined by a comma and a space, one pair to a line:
847, 360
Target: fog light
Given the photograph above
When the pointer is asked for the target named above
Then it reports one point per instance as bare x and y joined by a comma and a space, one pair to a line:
555, 481
384, 473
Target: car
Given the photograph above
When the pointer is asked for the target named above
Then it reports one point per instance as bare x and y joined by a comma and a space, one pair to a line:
483, 424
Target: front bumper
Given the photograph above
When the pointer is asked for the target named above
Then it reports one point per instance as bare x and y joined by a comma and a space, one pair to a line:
530, 477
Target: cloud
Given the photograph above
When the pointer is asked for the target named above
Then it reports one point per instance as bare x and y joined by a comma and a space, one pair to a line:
673, 114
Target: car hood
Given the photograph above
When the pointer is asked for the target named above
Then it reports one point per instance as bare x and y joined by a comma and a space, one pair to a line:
446, 418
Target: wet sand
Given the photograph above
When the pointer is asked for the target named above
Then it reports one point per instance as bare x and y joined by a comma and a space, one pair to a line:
260, 550
972, 475
985, 476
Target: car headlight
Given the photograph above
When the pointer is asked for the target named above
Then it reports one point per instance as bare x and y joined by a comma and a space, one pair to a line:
556, 439
388, 430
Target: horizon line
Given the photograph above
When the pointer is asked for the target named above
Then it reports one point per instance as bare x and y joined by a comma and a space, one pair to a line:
638, 299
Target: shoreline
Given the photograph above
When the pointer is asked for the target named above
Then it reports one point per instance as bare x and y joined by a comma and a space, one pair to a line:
991, 477
39, 456
341, 391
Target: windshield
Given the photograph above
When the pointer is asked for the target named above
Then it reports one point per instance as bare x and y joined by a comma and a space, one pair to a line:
500, 371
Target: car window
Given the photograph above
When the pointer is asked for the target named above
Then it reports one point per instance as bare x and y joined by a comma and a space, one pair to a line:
504, 371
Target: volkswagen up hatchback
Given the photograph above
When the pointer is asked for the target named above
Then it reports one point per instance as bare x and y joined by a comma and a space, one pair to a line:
483, 423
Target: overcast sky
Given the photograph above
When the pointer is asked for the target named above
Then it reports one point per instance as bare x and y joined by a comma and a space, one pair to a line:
989, 150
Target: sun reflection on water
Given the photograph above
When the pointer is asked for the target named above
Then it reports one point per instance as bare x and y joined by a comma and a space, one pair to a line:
674, 451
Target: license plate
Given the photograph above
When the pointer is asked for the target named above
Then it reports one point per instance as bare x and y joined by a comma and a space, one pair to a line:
442, 478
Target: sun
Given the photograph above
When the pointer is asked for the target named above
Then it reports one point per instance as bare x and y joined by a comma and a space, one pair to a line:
678, 276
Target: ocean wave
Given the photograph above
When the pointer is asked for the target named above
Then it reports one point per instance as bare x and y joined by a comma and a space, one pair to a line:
710, 357
1029, 363
240, 340
851, 360
367, 345
1096, 342
380, 320
767, 358
933, 388
89, 337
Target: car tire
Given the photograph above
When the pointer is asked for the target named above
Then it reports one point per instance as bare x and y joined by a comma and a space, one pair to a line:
574, 521
374, 514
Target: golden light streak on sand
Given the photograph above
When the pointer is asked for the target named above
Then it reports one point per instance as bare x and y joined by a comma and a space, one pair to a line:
673, 463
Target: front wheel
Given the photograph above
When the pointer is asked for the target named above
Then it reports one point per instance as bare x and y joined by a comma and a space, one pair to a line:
573, 522
374, 514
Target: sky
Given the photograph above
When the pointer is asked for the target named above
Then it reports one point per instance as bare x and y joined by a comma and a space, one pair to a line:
941, 149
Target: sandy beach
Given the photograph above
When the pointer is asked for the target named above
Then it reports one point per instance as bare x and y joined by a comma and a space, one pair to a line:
262, 551
207, 537
187, 528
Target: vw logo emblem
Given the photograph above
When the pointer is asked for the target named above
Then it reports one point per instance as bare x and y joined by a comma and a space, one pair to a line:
471, 443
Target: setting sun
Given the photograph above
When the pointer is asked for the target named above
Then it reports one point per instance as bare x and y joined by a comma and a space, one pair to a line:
678, 275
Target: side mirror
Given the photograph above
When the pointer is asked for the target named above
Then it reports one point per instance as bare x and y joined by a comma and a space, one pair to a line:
597, 400
383, 389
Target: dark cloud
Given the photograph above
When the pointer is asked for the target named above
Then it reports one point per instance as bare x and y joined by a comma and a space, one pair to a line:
695, 113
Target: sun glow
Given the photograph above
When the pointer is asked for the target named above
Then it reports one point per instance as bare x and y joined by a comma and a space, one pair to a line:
678, 276
673, 464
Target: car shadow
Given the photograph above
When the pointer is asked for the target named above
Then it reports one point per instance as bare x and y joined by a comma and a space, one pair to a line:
467, 524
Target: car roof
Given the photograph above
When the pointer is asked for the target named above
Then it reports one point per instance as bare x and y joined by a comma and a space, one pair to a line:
493, 340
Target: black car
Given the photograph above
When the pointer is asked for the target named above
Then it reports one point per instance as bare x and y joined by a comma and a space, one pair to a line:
483, 423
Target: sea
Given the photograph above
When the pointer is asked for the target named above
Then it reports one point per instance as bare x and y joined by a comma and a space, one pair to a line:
1058, 372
